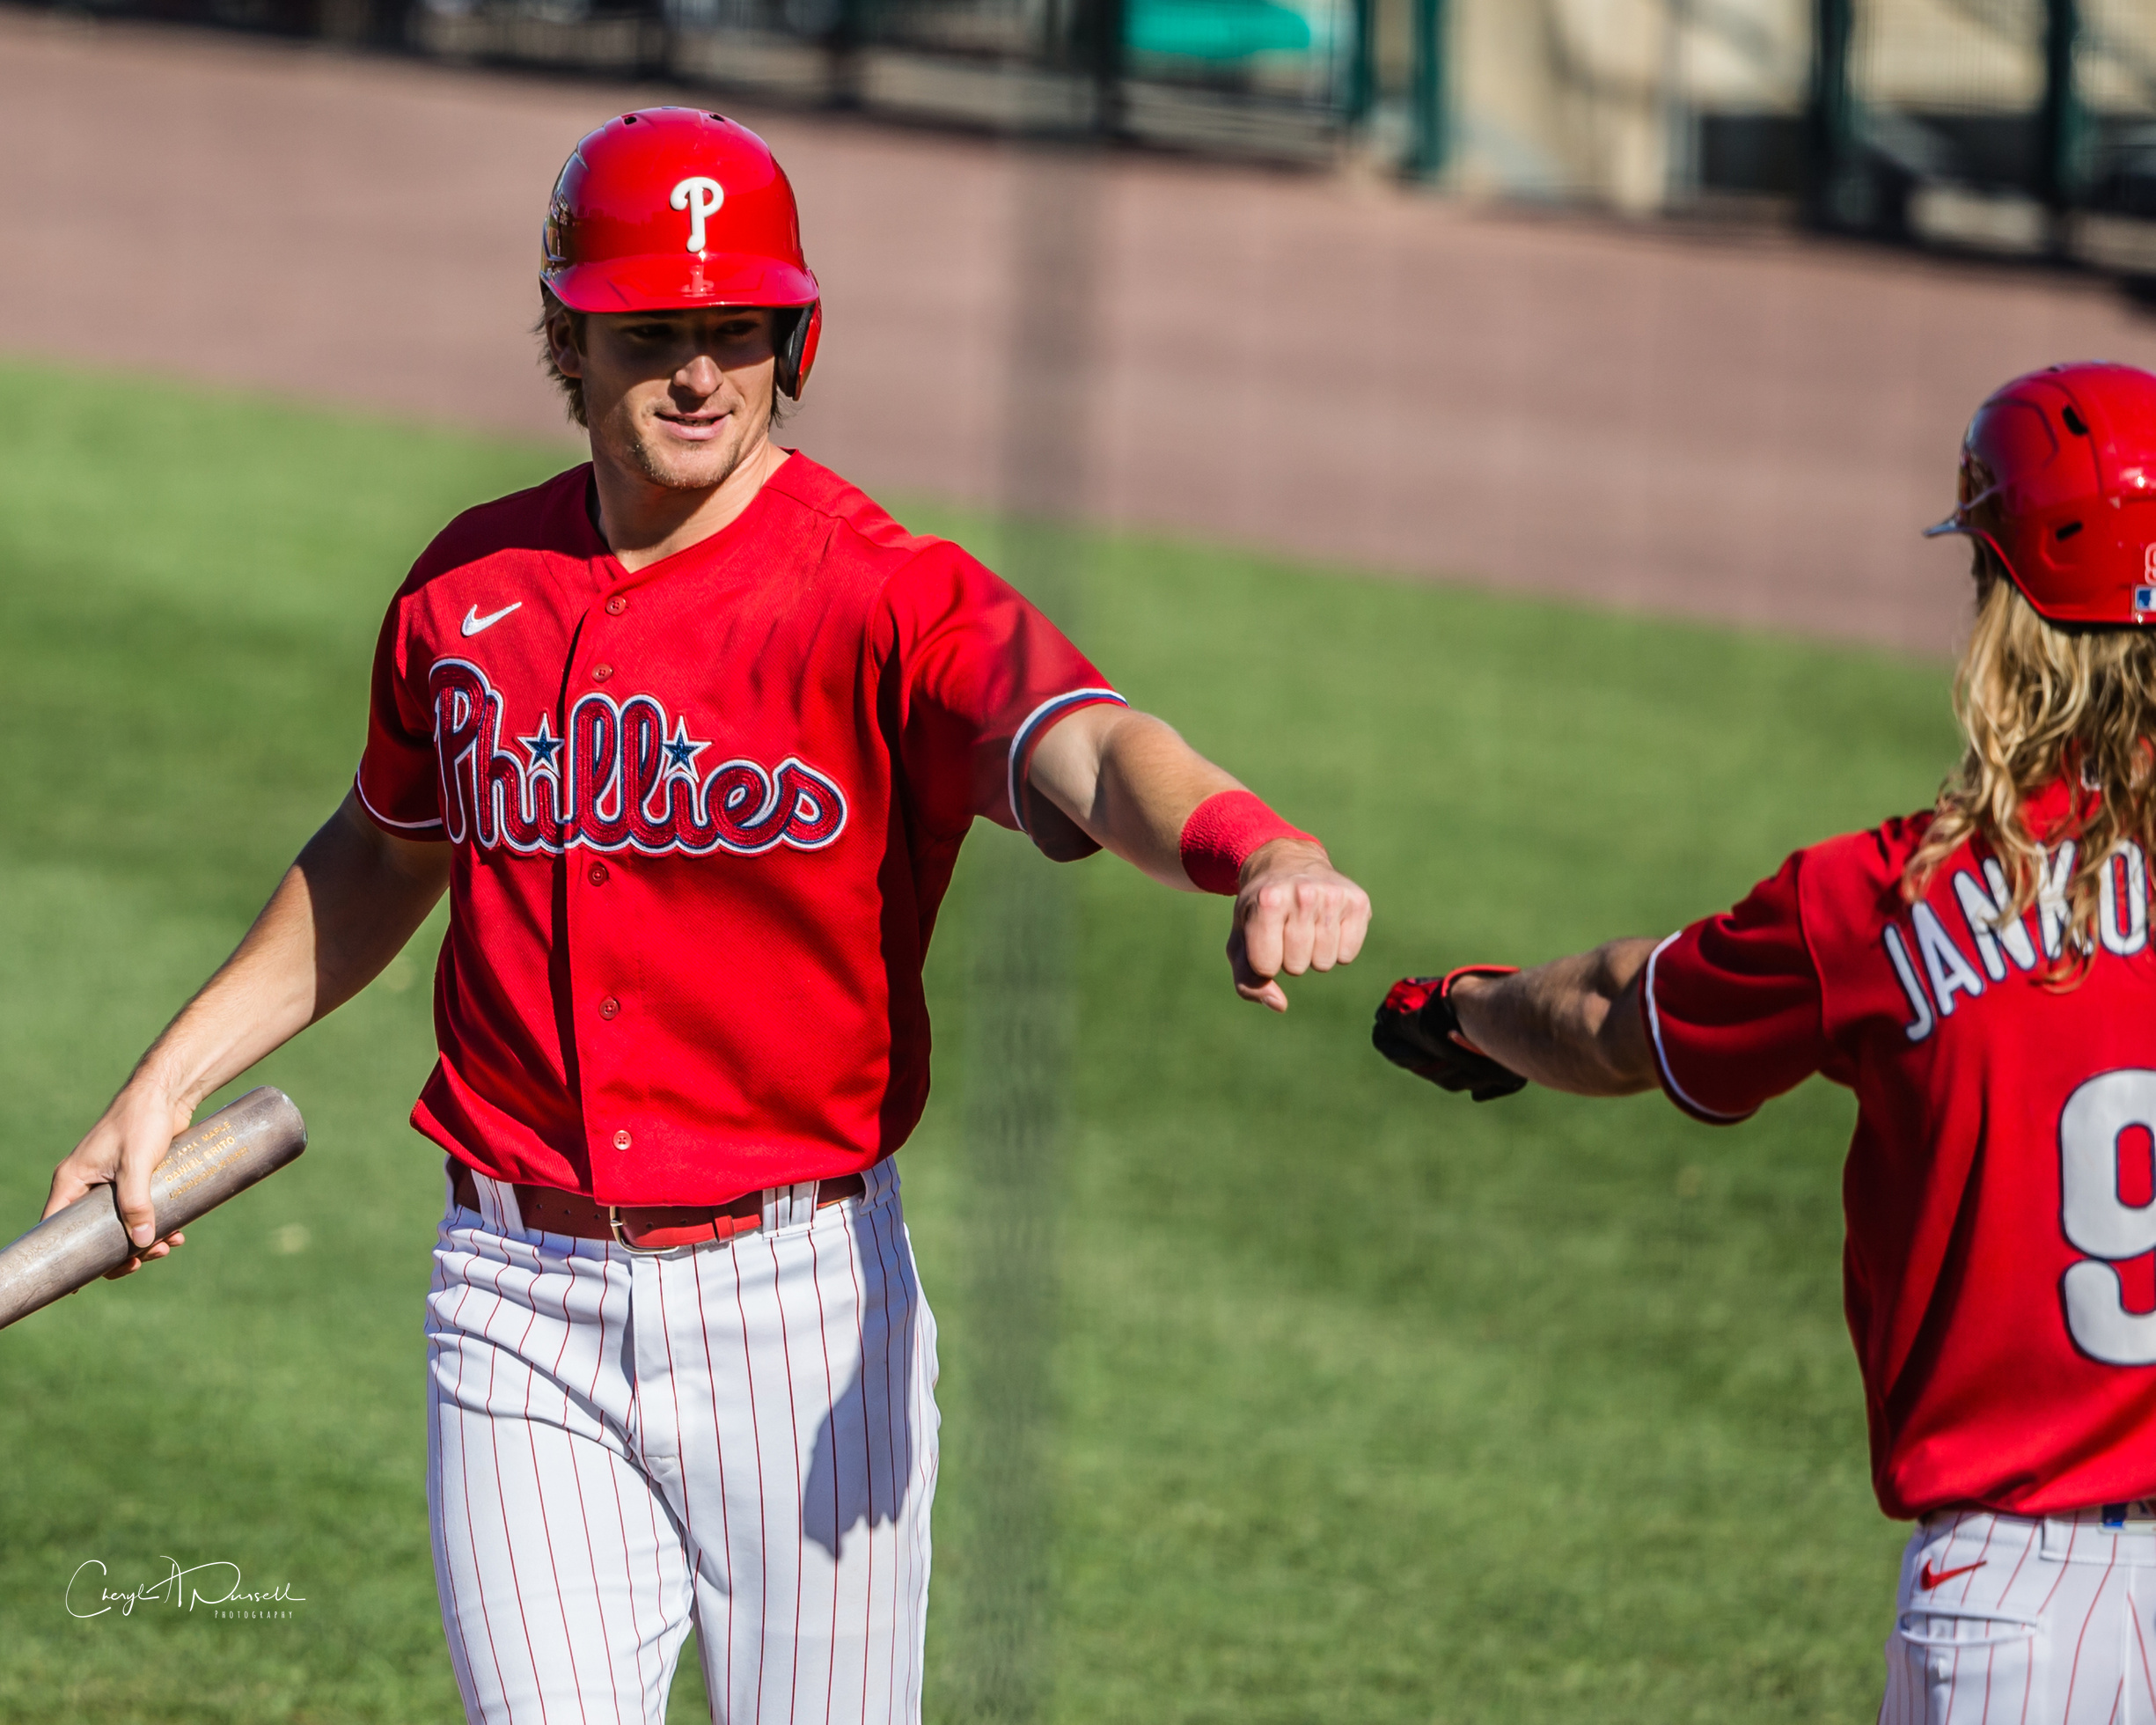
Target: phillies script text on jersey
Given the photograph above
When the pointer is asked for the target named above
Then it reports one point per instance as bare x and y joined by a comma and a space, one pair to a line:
703, 812
2001, 1197
621, 774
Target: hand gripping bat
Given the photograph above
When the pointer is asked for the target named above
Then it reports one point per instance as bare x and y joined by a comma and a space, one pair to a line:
209, 1163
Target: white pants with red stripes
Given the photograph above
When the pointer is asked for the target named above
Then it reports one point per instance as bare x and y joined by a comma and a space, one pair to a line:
741, 1437
2006, 1620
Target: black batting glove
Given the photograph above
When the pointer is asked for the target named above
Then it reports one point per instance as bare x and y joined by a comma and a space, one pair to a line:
1417, 1029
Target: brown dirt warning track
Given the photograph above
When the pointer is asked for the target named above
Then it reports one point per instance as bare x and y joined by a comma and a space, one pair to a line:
1744, 428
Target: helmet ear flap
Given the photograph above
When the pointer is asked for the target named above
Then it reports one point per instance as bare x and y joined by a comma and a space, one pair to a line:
797, 348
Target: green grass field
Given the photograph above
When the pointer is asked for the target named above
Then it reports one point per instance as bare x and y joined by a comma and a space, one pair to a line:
1372, 1405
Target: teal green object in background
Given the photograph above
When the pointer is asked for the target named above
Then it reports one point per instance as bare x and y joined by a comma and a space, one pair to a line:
1216, 29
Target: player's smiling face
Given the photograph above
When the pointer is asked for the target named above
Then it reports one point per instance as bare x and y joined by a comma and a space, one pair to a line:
679, 398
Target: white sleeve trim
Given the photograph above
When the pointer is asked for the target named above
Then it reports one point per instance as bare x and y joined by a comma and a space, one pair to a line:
1042, 715
1661, 1054
400, 825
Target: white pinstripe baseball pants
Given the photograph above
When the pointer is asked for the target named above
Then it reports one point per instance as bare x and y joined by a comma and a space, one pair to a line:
739, 1435
2049, 1621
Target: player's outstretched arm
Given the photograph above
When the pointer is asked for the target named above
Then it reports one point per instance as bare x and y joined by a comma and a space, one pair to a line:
343, 910
1133, 784
1574, 1025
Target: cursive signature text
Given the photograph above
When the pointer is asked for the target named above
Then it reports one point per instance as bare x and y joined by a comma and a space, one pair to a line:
215, 1583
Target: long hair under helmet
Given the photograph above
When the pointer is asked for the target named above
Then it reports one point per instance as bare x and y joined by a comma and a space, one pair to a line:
2058, 491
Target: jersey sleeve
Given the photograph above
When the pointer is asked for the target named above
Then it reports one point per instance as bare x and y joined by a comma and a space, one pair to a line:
1734, 1004
397, 781
985, 676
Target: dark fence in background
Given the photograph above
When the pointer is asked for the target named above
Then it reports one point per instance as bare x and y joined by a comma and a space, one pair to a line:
1271, 78
2017, 126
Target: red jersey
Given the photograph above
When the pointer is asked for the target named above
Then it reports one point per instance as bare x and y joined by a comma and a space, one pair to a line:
703, 816
2000, 1263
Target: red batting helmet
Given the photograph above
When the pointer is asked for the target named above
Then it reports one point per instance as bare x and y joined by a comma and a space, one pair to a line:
669, 208
2058, 477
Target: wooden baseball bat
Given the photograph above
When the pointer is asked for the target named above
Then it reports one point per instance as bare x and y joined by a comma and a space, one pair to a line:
212, 1160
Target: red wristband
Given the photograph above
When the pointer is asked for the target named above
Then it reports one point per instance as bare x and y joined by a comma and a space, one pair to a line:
1444, 991
1221, 834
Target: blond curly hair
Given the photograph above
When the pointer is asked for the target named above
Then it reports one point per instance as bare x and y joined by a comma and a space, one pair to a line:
2037, 699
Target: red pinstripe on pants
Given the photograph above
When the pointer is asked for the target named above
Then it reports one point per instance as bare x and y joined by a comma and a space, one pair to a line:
2047, 1623
738, 1437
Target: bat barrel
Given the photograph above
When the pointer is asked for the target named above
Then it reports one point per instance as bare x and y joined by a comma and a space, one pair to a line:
210, 1162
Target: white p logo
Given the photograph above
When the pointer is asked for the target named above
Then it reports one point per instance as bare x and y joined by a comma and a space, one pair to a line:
701, 198
2149, 567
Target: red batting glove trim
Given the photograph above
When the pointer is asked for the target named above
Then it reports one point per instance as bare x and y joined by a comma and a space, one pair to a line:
1221, 833
1411, 994
1445, 987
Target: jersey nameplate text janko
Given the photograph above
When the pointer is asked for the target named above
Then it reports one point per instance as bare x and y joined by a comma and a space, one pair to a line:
2121, 926
2094, 1217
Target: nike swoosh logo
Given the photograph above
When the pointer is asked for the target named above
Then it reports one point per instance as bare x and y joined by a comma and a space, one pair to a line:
473, 622
1929, 1578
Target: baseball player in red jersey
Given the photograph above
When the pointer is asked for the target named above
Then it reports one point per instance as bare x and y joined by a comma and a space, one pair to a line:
690, 736
1981, 976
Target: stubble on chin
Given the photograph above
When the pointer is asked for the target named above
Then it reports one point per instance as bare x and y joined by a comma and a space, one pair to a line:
712, 467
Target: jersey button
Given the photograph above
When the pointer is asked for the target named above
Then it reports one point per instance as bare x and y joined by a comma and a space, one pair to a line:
621, 1139
609, 1006
616, 606
601, 672
597, 874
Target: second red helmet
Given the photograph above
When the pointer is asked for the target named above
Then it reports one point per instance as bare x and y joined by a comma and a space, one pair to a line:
2058, 477
672, 208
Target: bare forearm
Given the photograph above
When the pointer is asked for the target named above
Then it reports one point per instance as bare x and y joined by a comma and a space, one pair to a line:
341, 912
1132, 784
258, 999
1573, 1024
1131, 781
344, 908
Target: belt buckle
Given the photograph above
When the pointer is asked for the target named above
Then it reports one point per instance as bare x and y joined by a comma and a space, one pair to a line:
621, 1238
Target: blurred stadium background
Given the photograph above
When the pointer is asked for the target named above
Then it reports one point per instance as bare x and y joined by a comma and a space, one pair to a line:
1497, 429
1688, 333
2020, 125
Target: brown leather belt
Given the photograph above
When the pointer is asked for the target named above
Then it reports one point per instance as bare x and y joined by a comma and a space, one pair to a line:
643, 1227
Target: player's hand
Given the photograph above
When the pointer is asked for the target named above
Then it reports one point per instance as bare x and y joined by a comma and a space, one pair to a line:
1418, 1028
1295, 912
128, 1140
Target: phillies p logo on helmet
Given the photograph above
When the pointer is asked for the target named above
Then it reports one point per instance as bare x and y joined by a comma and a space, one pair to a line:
611, 245
701, 198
